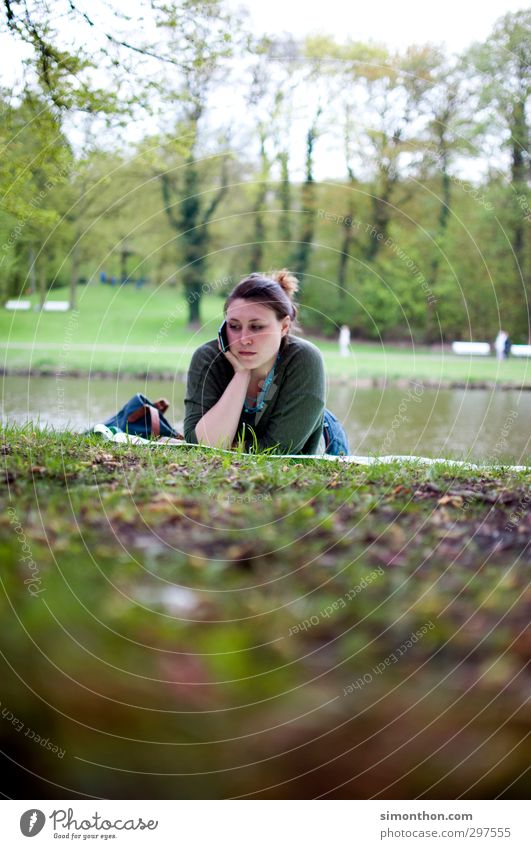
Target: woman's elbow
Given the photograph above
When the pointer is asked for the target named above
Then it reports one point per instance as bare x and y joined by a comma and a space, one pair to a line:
199, 435
202, 436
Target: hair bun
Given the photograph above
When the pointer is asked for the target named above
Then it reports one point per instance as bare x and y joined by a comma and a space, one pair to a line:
287, 280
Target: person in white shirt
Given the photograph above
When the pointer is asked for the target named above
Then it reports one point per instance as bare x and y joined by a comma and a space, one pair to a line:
344, 340
499, 344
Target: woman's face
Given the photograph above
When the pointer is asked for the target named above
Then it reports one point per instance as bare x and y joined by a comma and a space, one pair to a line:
255, 332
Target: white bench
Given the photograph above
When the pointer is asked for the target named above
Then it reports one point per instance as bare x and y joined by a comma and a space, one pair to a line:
480, 349
520, 351
56, 306
17, 305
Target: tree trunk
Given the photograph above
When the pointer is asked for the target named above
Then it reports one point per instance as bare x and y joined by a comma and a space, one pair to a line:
381, 214
345, 252
31, 275
257, 251
42, 282
519, 175
301, 254
194, 318
191, 223
74, 276
13, 286
284, 192
432, 329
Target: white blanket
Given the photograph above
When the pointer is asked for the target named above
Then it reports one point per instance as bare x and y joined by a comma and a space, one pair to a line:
350, 458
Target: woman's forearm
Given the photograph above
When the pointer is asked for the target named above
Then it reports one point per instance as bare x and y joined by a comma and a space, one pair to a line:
218, 427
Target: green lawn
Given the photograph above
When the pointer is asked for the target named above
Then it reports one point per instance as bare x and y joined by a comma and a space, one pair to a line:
156, 321
183, 624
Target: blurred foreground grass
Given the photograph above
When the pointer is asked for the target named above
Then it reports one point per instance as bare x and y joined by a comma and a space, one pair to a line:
179, 623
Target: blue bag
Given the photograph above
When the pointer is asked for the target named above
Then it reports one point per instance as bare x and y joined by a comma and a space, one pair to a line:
336, 439
142, 417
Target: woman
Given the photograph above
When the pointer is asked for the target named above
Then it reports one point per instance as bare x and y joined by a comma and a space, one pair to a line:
267, 388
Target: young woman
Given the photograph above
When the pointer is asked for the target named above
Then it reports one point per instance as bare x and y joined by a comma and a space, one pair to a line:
257, 382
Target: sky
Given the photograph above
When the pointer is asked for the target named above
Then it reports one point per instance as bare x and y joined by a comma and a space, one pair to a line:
397, 23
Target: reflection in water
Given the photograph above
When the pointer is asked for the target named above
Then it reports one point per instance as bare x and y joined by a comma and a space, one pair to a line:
475, 423
79, 403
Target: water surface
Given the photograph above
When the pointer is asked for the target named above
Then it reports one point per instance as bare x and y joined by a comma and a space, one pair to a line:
483, 424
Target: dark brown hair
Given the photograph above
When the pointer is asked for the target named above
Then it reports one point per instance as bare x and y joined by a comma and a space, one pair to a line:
274, 290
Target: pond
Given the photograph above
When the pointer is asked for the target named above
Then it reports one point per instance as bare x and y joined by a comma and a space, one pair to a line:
478, 424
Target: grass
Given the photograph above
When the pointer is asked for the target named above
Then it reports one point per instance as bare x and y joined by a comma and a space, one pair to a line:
156, 321
219, 625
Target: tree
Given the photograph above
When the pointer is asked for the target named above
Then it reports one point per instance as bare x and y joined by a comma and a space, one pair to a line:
59, 71
448, 135
56, 82
202, 43
196, 37
387, 93
36, 161
397, 92
274, 77
348, 219
503, 64
303, 244
96, 210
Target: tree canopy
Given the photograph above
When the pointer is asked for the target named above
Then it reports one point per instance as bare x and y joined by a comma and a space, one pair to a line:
171, 129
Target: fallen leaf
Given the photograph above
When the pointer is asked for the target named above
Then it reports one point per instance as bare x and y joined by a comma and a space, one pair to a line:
454, 500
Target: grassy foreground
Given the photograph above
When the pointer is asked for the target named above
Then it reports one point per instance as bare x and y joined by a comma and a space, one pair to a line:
129, 330
178, 623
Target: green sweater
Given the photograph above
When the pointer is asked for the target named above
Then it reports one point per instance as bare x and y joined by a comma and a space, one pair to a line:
292, 416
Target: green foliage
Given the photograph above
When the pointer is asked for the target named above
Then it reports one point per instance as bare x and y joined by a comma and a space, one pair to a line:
58, 71
503, 64
428, 254
36, 164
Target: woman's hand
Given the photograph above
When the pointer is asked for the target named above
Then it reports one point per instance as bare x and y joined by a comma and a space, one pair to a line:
219, 425
236, 364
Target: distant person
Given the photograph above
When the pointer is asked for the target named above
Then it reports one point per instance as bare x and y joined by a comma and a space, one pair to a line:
344, 340
500, 344
507, 348
257, 382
